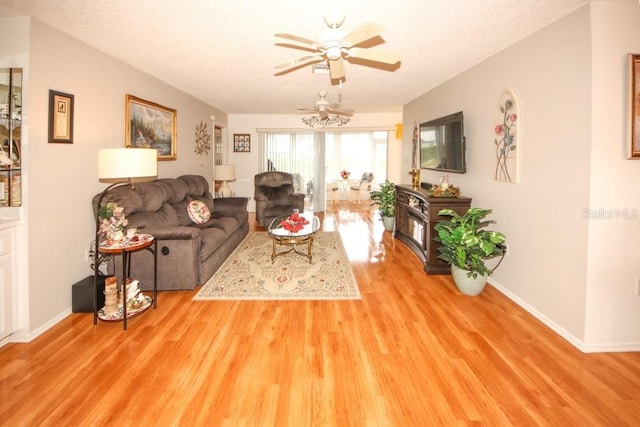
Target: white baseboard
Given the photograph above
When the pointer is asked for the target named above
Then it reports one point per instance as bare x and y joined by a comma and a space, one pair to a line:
574, 341
25, 337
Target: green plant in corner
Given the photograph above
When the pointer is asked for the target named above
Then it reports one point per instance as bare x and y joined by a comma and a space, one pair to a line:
385, 198
466, 244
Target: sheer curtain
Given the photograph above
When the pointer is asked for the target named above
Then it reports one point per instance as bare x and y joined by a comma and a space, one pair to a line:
314, 158
299, 153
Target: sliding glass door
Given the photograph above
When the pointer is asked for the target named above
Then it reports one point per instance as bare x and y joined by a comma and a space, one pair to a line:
298, 153
315, 159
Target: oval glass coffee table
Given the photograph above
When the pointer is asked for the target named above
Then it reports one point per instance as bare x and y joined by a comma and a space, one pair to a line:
282, 236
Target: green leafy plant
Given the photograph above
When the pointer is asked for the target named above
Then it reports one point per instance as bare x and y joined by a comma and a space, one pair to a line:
385, 198
466, 244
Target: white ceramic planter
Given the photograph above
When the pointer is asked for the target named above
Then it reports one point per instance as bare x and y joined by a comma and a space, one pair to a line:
468, 285
387, 221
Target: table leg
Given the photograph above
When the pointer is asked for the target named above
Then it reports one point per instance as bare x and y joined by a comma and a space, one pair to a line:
123, 289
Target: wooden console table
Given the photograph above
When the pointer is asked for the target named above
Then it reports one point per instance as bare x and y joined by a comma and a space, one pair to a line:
416, 217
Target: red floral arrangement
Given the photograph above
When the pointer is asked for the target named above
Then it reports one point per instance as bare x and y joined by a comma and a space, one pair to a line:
345, 174
294, 223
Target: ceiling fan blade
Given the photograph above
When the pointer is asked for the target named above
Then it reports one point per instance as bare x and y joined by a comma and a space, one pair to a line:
311, 43
363, 33
298, 46
305, 60
336, 69
341, 112
375, 55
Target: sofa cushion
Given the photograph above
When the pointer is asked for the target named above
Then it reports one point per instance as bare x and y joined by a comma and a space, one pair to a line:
178, 189
198, 211
211, 239
153, 194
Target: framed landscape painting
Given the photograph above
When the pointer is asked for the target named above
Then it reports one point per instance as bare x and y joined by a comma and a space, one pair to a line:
150, 125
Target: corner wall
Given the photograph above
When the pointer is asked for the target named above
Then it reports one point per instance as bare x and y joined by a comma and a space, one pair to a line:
549, 72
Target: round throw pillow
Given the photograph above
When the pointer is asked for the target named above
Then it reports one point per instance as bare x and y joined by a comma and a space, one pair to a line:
198, 211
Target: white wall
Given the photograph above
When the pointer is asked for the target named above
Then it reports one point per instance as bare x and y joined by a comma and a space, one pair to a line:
248, 164
63, 177
560, 265
613, 309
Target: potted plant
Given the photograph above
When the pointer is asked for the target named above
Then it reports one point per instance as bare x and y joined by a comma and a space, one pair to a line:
466, 244
385, 198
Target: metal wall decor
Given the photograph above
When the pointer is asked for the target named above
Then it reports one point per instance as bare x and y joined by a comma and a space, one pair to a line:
203, 139
506, 138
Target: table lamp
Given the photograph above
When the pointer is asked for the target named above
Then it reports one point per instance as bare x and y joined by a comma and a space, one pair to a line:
225, 173
120, 166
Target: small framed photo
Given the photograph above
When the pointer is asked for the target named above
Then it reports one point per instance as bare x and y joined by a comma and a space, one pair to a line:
241, 142
60, 117
634, 106
150, 125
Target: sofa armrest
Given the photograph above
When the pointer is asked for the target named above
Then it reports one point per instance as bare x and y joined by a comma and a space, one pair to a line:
297, 199
226, 204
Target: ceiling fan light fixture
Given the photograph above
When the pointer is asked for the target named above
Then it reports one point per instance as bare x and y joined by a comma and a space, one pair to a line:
333, 53
329, 120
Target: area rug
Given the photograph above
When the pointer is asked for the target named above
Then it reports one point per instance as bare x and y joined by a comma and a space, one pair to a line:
249, 274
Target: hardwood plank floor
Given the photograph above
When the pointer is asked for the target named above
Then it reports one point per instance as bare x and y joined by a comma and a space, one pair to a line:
412, 352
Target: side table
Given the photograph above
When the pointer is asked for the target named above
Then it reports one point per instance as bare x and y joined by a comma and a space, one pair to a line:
125, 248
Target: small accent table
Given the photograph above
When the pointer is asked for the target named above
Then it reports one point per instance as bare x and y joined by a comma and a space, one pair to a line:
125, 248
282, 236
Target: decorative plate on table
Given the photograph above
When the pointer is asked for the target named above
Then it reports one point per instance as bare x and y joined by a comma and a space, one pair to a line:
131, 312
137, 239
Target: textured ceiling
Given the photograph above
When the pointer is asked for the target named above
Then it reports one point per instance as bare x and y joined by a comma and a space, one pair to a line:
224, 52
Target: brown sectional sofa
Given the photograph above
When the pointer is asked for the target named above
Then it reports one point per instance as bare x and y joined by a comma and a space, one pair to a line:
188, 253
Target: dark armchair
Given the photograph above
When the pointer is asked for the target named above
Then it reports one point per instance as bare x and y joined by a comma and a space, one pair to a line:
275, 196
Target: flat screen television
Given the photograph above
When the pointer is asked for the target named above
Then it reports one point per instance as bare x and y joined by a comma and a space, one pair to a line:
442, 144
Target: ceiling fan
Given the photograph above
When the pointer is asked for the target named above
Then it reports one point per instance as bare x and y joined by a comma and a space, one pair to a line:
334, 46
323, 107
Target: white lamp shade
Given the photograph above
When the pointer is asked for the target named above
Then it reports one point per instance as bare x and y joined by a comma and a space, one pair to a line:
123, 163
224, 173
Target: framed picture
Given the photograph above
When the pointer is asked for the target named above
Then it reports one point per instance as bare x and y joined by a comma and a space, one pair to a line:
241, 142
150, 125
60, 117
634, 106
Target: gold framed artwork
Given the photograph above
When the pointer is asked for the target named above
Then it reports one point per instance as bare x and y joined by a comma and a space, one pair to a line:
242, 142
150, 125
634, 106
60, 117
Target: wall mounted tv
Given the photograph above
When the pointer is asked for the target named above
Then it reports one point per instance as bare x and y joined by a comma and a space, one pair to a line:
443, 145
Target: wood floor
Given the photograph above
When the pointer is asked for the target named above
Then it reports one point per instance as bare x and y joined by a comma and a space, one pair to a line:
412, 352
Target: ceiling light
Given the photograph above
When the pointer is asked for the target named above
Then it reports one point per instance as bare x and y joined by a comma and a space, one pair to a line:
330, 120
333, 53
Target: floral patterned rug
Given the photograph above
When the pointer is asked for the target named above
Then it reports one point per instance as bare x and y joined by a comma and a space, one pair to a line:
249, 274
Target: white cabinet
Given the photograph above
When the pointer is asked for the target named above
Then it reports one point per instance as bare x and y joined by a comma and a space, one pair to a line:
7, 271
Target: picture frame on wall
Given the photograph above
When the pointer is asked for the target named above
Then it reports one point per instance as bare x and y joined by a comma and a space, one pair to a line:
60, 117
634, 106
241, 142
151, 125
